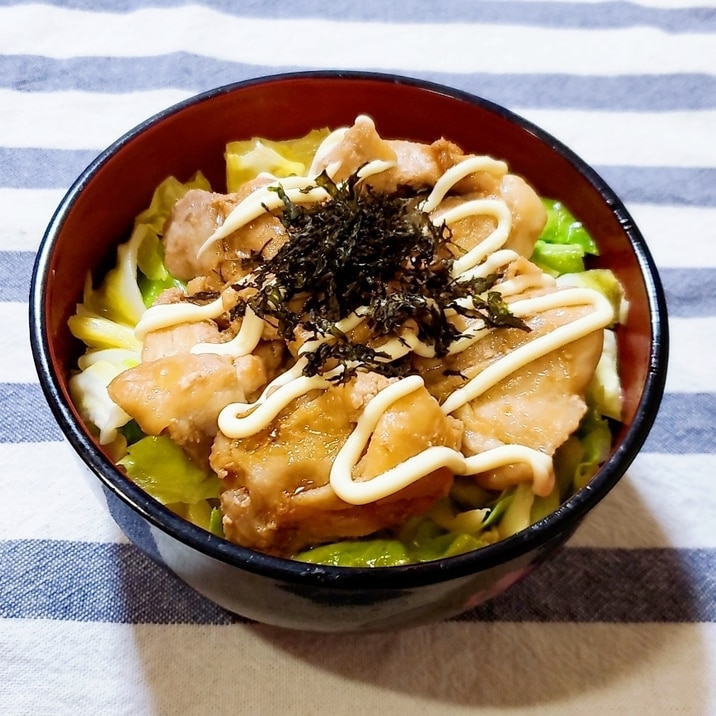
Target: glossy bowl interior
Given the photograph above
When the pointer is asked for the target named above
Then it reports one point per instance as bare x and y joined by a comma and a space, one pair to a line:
97, 213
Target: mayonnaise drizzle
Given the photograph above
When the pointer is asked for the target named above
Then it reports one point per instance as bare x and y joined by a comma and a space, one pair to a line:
358, 492
496, 239
300, 190
171, 314
243, 343
375, 167
461, 170
329, 143
602, 316
520, 284
234, 423
241, 420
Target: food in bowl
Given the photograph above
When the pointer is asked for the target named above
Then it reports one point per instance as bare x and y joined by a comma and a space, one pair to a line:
368, 352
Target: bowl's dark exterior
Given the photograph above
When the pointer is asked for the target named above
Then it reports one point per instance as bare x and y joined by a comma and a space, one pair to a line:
312, 599
97, 213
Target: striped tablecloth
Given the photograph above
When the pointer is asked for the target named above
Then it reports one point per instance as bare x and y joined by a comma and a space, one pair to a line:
621, 622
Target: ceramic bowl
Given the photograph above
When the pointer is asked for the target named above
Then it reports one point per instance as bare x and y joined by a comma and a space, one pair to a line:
97, 213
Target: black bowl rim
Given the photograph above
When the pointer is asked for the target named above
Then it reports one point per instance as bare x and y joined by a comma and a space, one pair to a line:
561, 521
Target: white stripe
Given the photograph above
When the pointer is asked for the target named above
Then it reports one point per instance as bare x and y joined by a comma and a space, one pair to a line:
640, 138
689, 369
280, 42
678, 236
24, 216
64, 663
83, 120
17, 365
77, 120
663, 501
51, 498
49, 667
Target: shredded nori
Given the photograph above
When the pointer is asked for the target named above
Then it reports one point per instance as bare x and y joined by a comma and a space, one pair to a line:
378, 252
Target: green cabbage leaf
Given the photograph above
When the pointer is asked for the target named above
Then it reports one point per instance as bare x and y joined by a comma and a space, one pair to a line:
563, 243
160, 467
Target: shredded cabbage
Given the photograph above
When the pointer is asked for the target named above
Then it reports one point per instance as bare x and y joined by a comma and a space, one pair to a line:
108, 313
428, 542
563, 242
247, 159
106, 318
89, 393
604, 281
604, 391
160, 466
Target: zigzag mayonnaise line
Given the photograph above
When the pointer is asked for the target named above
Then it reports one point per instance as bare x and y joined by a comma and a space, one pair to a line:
453, 175
240, 426
358, 492
266, 199
481, 207
171, 314
243, 343
601, 317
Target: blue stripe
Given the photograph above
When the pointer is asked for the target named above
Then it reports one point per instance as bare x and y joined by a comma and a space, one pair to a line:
648, 93
36, 168
683, 425
612, 586
690, 292
30, 419
91, 582
97, 583
600, 15
15, 271
662, 185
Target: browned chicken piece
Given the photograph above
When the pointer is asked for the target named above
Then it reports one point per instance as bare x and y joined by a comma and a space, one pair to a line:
179, 339
197, 215
417, 165
414, 423
169, 295
447, 155
528, 216
539, 406
181, 393
192, 220
360, 144
277, 497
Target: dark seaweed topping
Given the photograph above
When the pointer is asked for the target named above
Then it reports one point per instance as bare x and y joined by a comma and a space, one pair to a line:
365, 249
202, 297
348, 357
